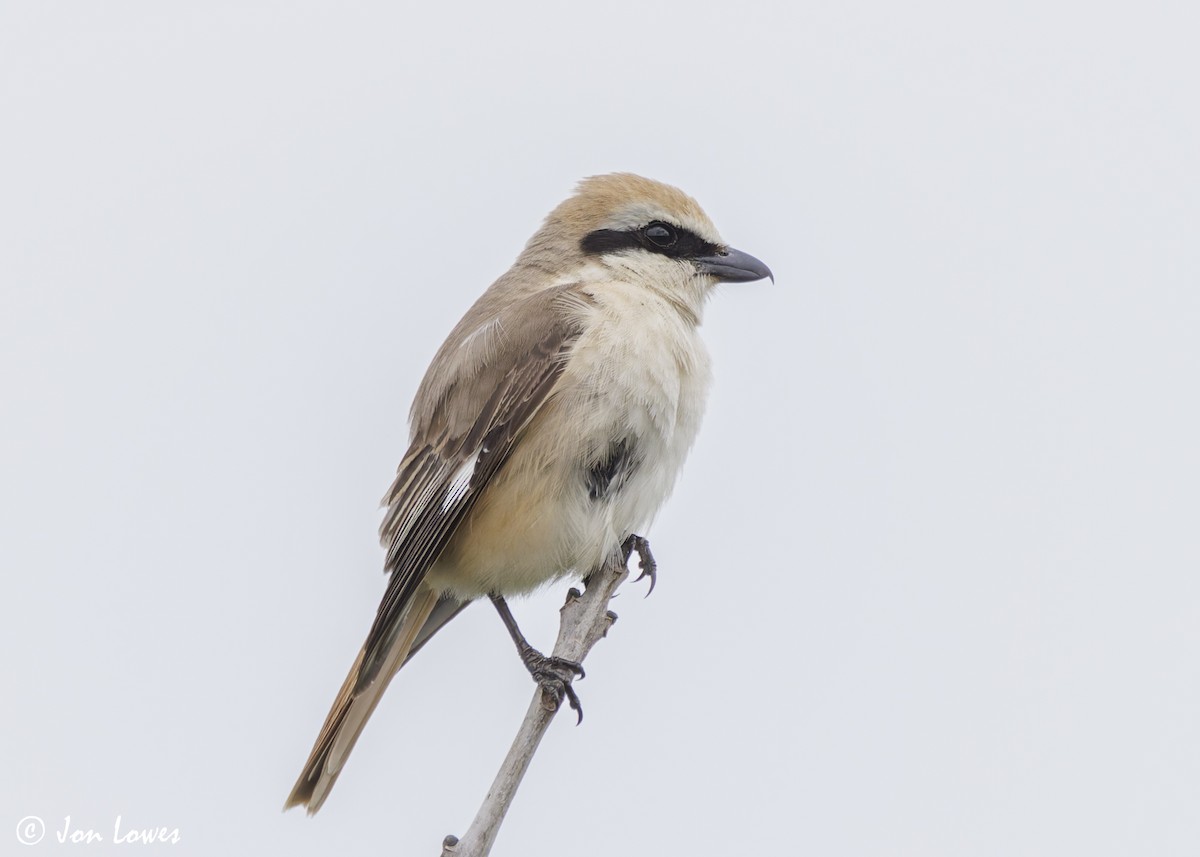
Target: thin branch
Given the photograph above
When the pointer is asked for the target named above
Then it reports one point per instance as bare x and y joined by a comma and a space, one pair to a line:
585, 619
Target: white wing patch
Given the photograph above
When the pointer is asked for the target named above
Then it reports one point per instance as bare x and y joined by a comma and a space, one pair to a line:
461, 481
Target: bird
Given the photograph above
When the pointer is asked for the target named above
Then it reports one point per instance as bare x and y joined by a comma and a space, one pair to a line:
546, 433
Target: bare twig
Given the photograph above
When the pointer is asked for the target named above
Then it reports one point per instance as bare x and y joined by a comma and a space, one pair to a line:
585, 619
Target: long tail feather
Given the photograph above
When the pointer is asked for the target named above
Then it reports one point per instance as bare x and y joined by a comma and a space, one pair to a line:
351, 710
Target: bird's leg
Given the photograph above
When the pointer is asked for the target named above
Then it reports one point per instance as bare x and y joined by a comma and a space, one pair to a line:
554, 675
645, 559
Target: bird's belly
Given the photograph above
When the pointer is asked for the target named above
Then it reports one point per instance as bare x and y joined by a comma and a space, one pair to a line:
521, 534
561, 504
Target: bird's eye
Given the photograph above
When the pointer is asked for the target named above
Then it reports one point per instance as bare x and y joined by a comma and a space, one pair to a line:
660, 234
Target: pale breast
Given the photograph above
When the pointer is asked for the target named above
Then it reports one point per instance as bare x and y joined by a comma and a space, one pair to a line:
599, 459
643, 379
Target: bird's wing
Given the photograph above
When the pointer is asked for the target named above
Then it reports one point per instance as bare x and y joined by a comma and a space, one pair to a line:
448, 466
485, 391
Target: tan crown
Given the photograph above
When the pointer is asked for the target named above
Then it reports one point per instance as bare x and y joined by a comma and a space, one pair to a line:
622, 201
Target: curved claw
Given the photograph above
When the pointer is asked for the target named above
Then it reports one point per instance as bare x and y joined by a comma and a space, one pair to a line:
554, 676
645, 559
573, 701
554, 685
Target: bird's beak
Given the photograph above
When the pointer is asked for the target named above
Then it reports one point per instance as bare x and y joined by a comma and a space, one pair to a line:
734, 266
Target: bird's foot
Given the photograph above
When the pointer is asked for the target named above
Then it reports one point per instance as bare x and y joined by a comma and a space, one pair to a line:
645, 559
554, 676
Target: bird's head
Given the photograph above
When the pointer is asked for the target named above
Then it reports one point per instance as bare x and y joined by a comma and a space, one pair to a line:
647, 231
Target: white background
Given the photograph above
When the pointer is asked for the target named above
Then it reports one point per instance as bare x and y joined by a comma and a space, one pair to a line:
929, 585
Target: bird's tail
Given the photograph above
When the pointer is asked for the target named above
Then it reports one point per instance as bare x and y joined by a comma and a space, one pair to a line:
351, 709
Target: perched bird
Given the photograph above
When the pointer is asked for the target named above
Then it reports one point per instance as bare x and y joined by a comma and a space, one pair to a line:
547, 432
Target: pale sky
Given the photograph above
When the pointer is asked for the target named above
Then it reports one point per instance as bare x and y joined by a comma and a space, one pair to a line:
930, 584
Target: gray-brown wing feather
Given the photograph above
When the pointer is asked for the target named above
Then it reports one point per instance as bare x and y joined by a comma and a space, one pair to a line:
446, 608
428, 502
